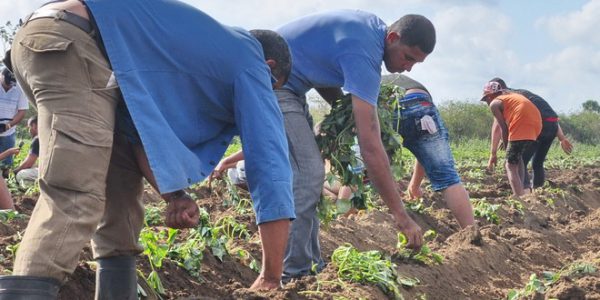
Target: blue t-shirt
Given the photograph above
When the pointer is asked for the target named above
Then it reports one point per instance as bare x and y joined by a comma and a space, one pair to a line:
191, 84
340, 48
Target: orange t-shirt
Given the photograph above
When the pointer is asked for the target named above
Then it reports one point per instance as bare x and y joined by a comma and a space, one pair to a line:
523, 119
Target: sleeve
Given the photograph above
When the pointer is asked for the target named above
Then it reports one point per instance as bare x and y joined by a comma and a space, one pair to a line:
362, 77
260, 123
22, 103
35, 147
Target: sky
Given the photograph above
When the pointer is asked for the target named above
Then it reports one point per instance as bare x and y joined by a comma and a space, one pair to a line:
549, 47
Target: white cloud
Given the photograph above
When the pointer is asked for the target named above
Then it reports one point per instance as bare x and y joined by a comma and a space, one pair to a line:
575, 27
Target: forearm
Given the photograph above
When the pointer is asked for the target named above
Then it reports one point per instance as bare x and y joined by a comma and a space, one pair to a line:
17, 118
27, 163
560, 134
234, 158
373, 153
495, 137
418, 174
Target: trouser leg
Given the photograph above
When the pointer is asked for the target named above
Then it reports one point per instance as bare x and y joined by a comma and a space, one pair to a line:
303, 248
64, 74
537, 164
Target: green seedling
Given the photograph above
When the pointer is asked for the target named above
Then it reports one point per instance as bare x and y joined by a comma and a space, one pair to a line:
425, 255
516, 205
368, 267
7, 215
152, 216
541, 285
484, 209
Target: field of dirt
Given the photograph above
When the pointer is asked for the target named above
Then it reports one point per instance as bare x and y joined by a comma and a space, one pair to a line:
560, 225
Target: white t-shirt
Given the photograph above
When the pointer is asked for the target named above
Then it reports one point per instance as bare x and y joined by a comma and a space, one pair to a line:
11, 102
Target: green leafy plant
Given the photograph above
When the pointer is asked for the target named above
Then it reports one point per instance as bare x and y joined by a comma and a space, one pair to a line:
368, 267
337, 136
541, 284
425, 255
483, 209
153, 215
7, 215
156, 247
516, 205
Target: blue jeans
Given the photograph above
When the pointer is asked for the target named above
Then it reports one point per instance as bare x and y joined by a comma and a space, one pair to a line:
7, 142
431, 150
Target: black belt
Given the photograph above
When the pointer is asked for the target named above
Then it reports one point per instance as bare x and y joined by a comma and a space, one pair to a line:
69, 17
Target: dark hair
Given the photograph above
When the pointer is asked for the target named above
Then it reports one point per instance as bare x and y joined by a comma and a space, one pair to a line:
276, 48
32, 120
500, 81
415, 30
9, 78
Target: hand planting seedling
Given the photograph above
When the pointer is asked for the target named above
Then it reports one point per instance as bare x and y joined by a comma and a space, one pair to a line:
424, 255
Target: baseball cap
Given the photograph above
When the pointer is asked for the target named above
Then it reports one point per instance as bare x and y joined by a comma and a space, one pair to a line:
489, 88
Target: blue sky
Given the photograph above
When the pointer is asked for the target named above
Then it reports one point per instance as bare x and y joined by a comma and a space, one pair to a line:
550, 47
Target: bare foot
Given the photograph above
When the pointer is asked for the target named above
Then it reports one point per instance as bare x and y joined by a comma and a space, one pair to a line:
261, 284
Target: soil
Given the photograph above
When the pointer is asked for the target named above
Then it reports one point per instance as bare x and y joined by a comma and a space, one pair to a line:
560, 225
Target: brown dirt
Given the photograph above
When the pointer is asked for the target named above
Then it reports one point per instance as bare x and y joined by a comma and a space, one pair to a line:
483, 262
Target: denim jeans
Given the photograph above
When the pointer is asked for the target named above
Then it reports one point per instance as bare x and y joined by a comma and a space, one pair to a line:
7, 142
431, 150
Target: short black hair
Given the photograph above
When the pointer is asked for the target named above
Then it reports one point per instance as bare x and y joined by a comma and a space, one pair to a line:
276, 48
9, 78
415, 30
32, 120
499, 81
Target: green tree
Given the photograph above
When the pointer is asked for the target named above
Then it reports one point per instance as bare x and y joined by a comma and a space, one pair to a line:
7, 33
466, 120
591, 105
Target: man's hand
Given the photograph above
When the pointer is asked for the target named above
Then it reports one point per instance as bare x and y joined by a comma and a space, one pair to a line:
492, 162
182, 211
219, 169
411, 230
566, 146
13, 151
414, 192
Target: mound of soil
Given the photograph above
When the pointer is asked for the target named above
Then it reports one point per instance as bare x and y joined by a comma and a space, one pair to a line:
559, 225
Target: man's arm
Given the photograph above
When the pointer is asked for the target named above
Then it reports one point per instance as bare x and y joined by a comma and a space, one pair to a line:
495, 137
182, 211
414, 187
18, 117
27, 163
564, 142
378, 166
330, 94
496, 108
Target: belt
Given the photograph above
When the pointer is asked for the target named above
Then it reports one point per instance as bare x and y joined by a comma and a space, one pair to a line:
407, 104
551, 119
64, 15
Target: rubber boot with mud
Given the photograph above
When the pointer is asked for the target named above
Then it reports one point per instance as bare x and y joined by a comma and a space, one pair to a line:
28, 288
116, 278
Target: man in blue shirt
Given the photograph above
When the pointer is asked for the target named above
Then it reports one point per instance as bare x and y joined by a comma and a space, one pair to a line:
331, 51
189, 84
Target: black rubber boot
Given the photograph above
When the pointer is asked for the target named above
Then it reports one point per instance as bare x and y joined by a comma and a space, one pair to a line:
28, 288
116, 278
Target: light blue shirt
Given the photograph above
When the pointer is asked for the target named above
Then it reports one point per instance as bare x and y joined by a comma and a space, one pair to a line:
340, 48
190, 85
